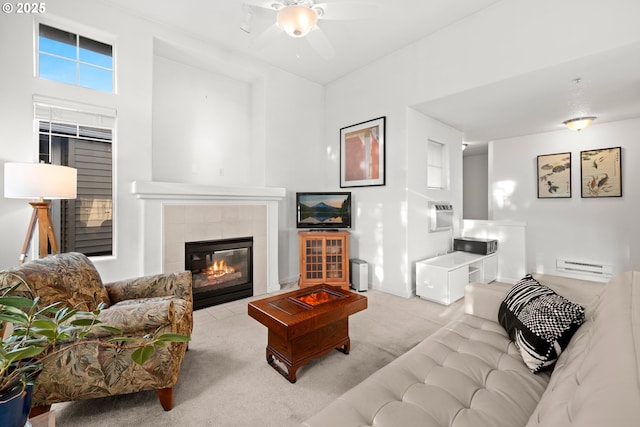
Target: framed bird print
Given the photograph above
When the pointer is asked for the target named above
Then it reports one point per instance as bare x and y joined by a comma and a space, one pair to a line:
554, 176
601, 172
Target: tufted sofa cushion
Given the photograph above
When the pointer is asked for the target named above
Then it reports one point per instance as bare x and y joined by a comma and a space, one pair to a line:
467, 374
470, 374
596, 381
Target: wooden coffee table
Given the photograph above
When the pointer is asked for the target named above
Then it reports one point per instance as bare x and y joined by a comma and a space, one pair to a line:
305, 324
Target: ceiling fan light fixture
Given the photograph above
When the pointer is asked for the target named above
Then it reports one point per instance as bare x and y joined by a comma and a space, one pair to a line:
297, 20
579, 123
248, 20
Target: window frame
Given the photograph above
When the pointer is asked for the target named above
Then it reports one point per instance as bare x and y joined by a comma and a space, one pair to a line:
80, 115
79, 31
433, 166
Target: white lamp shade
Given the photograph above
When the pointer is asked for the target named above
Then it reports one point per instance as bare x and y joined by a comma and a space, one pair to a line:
297, 20
39, 180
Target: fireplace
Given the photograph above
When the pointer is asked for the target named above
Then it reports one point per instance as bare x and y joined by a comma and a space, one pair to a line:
222, 270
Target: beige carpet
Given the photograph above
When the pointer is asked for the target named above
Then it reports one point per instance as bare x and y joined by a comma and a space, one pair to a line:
225, 380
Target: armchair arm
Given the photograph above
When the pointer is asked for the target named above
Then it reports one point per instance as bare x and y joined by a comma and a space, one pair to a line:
159, 285
138, 317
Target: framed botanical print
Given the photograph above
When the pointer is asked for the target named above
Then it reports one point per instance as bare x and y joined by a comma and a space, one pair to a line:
554, 176
362, 151
601, 172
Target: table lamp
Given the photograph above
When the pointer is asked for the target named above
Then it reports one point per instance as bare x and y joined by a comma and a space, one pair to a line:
39, 181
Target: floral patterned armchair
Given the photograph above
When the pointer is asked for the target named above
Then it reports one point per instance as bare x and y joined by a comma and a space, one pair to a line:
161, 303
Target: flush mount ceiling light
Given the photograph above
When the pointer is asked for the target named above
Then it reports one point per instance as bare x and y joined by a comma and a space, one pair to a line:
297, 20
579, 103
579, 123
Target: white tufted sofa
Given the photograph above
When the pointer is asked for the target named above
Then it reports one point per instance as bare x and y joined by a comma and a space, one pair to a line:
470, 374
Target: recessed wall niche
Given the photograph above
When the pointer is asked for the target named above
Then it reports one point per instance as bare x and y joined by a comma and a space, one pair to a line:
203, 121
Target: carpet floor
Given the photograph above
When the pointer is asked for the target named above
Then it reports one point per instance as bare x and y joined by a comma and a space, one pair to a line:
226, 381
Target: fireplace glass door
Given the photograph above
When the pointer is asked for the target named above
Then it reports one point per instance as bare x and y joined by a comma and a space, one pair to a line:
221, 270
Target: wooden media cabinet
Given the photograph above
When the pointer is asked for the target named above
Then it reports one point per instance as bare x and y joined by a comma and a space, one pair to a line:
324, 258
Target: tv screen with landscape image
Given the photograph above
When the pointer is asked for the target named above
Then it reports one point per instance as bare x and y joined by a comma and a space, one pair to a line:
323, 210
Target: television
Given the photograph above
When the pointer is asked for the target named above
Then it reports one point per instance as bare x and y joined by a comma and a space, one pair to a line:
328, 210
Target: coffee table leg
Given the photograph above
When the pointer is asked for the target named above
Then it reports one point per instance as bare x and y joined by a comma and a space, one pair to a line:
289, 374
344, 349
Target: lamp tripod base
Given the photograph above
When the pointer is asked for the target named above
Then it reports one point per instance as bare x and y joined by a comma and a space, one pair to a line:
41, 216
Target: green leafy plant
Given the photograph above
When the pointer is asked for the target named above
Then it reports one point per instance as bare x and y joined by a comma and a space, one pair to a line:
31, 334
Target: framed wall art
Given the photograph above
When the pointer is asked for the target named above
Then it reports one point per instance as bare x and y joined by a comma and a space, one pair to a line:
362, 154
601, 172
554, 176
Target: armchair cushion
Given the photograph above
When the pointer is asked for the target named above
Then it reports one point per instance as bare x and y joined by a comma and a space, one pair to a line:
175, 287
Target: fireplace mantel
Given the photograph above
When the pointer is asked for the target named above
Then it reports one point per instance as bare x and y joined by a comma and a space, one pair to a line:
156, 197
181, 191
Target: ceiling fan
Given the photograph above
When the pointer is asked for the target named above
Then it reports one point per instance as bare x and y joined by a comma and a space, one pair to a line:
299, 18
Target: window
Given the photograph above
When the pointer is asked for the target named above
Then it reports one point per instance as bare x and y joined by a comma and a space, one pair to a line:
66, 137
436, 162
70, 58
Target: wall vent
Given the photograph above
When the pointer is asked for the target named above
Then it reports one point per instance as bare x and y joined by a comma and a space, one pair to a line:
584, 268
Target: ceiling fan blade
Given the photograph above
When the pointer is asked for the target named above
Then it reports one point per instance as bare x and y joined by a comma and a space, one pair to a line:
320, 43
349, 10
265, 4
267, 36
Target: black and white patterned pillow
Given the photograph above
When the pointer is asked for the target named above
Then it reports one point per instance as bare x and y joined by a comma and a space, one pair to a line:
539, 321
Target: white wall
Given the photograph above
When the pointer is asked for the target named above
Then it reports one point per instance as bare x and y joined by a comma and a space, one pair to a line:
295, 123
475, 186
421, 243
512, 245
201, 126
391, 228
294, 156
283, 114
508, 39
591, 230
133, 104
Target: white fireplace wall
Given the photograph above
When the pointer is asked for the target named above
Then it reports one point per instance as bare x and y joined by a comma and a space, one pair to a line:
193, 223
203, 212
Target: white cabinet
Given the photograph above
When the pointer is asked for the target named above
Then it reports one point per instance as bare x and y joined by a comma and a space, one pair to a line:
442, 279
489, 269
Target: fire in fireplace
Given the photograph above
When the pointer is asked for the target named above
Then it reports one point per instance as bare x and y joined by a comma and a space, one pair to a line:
222, 270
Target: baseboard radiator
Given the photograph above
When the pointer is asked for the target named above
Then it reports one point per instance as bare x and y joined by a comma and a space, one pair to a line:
593, 269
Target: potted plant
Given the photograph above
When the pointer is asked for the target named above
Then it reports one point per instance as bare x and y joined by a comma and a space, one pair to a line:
30, 334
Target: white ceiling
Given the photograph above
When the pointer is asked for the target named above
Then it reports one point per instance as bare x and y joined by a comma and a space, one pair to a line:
537, 102
528, 104
356, 42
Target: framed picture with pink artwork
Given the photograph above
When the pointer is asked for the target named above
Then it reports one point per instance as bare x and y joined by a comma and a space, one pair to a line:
362, 152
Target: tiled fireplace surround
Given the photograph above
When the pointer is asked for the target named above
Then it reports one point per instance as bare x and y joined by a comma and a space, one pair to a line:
175, 213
